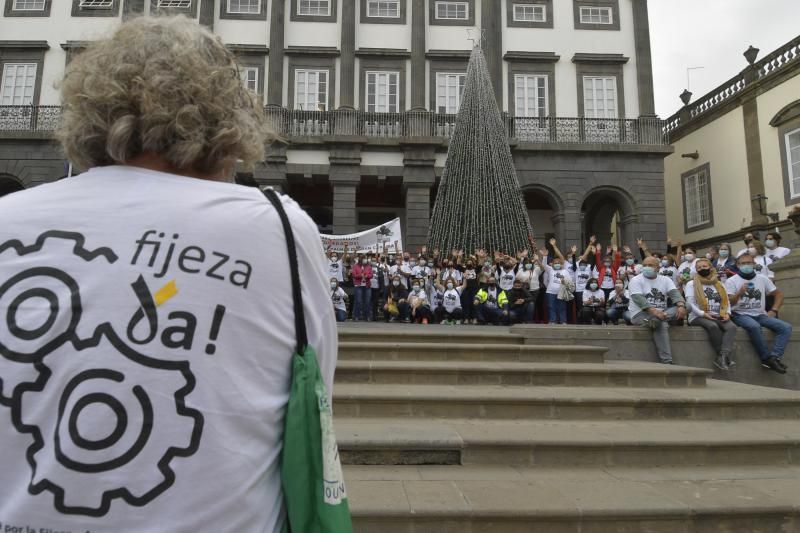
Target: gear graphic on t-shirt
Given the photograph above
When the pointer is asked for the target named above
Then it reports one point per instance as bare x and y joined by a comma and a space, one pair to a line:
109, 427
41, 301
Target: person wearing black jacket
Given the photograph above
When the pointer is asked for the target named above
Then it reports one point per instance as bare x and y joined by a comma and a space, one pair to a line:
520, 304
396, 306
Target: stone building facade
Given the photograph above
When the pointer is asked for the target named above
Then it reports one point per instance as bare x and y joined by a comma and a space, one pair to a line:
365, 93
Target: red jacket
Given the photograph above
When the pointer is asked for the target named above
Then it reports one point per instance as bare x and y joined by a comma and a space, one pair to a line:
601, 267
362, 275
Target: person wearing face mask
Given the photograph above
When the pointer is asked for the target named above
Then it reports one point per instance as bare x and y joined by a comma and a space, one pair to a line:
687, 270
748, 239
490, 303
529, 277
582, 270
607, 268
709, 308
594, 303
627, 270
420, 304
470, 281
362, 281
747, 292
520, 304
339, 299
506, 274
336, 265
377, 285
668, 268
725, 265
558, 281
772, 242
449, 310
759, 253
396, 307
617, 304
649, 297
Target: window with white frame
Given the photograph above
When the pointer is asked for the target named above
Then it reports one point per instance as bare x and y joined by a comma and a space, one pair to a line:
314, 7
244, 7
177, 4
383, 8
311, 90
28, 5
793, 161
452, 10
530, 94
101, 4
596, 15
250, 78
449, 89
383, 92
18, 84
600, 96
529, 13
697, 196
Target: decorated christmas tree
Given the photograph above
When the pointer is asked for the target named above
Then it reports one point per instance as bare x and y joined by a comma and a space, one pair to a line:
479, 204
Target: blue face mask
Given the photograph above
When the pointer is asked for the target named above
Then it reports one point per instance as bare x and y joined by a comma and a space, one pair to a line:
747, 269
629, 262
724, 253
664, 263
557, 266
649, 272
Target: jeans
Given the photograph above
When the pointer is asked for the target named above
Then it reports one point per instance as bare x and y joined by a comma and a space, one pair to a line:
341, 315
660, 331
441, 314
556, 309
593, 314
613, 314
753, 324
488, 314
721, 334
578, 308
361, 308
468, 303
519, 314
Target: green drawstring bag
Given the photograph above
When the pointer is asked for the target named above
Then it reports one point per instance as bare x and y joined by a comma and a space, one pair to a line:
311, 473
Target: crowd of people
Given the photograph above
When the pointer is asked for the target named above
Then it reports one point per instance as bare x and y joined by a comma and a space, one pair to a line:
599, 284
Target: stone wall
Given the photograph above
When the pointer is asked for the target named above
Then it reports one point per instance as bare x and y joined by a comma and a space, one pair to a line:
31, 161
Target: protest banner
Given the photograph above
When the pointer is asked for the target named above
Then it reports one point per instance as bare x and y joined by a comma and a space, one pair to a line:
386, 236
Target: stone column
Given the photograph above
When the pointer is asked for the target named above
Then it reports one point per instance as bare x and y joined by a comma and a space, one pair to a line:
276, 31
787, 279
571, 225
348, 57
644, 61
755, 166
419, 176
345, 176
207, 13
418, 15
491, 18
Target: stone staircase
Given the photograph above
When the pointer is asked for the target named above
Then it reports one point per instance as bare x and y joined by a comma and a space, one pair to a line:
447, 429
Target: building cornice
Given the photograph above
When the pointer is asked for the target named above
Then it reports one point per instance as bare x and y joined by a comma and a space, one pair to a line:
533, 57
383, 52
248, 48
74, 45
316, 51
25, 45
600, 58
448, 54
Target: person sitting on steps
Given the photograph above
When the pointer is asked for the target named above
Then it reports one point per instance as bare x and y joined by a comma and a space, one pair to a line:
709, 308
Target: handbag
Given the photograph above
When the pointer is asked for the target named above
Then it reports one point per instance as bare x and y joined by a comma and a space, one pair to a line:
311, 472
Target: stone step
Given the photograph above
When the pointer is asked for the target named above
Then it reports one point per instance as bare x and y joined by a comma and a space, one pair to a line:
567, 443
717, 401
434, 333
464, 499
493, 373
461, 351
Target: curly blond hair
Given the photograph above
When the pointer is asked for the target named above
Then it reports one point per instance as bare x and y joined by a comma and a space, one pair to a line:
160, 85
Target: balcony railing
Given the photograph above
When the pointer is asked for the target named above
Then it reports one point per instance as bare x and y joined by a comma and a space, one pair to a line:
297, 123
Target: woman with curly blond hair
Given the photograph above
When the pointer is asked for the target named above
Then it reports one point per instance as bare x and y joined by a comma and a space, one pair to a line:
146, 324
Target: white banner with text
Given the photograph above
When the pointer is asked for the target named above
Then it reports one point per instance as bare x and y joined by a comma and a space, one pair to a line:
384, 237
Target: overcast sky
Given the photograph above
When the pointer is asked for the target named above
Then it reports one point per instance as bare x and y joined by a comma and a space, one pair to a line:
712, 34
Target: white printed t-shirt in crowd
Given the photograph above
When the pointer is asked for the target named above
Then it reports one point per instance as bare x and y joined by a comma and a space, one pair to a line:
777, 253
654, 290
553, 279
336, 269
582, 275
505, 278
158, 309
338, 298
753, 301
714, 301
452, 299
594, 298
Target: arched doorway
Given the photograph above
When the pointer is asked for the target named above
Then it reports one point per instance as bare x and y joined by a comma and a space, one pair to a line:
9, 184
545, 212
610, 215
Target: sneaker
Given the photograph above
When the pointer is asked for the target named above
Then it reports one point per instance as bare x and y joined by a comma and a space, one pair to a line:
406, 320
393, 319
773, 364
780, 363
670, 362
721, 363
730, 362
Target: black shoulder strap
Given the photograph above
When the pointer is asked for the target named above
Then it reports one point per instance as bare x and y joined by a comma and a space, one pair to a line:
299, 315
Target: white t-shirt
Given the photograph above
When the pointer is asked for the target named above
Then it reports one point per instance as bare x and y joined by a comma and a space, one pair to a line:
762, 264
530, 278
553, 279
687, 270
336, 269
161, 307
594, 298
753, 301
421, 271
714, 301
505, 278
608, 279
656, 291
670, 272
778, 253
339, 297
582, 274
452, 299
